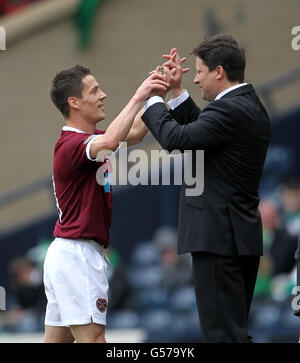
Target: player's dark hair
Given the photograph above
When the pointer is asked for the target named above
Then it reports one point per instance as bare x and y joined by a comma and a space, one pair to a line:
223, 50
67, 83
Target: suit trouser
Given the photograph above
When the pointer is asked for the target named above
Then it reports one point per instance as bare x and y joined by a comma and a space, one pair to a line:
224, 288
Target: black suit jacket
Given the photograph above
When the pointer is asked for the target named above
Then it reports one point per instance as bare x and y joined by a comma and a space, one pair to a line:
234, 133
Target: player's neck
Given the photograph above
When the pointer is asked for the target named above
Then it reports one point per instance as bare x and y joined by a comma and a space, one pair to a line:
81, 125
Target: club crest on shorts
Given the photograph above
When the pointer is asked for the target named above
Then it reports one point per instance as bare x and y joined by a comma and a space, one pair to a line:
101, 304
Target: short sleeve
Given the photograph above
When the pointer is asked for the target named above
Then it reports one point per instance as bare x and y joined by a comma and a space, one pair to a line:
88, 148
77, 150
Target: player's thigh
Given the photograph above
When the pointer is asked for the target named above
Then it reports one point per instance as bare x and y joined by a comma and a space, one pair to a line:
58, 334
89, 333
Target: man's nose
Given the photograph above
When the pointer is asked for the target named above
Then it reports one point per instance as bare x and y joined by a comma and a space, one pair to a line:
102, 95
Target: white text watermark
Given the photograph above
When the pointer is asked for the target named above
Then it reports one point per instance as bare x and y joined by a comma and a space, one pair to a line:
188, 168
2, 38
296, 299
296, 39
2, 298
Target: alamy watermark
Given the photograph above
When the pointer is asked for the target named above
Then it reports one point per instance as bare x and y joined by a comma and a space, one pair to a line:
296, 39
2, 298
296, 299
188, 168
2, 38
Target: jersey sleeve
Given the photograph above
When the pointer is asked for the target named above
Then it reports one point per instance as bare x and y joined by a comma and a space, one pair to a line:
77, 150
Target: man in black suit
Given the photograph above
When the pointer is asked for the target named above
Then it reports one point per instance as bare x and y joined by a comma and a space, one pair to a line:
222, 227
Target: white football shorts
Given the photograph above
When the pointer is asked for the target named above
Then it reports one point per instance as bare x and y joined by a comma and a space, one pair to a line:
76, 284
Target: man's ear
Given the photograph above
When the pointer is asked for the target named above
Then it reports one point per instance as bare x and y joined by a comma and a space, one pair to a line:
220, 72
73, 102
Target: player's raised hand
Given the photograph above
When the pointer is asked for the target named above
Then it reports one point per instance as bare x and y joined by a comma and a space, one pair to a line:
157, 92
155, 84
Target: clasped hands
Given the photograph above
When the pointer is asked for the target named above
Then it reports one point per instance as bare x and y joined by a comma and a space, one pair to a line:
166, 77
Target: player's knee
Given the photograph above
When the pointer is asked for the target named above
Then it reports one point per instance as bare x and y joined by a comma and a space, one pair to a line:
100, 339
99, 333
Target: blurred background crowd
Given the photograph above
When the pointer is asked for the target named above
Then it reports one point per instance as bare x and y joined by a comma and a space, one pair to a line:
151, 287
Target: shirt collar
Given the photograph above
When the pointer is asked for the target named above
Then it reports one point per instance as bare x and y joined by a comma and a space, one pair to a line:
229, 90
68, 128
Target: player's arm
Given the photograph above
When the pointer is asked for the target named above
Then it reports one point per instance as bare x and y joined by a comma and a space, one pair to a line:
120, 126
137, 131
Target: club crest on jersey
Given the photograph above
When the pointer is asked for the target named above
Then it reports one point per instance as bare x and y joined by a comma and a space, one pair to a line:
101, 304
88, 139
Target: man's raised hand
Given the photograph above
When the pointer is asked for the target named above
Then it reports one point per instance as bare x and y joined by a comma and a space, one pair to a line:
173, 71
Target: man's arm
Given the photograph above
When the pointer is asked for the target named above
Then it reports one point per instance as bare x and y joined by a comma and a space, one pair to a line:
120, 126
137, 131
214, 127
184, 112
182, 107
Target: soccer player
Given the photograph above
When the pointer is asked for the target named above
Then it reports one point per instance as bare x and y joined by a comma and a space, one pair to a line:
75, 276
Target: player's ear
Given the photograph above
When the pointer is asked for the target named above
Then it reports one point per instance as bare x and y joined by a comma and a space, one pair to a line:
73, 102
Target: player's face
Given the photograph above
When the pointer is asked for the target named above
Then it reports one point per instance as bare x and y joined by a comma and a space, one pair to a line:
92, 100
205, 80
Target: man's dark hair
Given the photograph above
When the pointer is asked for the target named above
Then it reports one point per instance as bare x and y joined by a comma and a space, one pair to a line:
67, 83
223, 50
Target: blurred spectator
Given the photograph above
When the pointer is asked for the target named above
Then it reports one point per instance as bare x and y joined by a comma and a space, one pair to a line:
278, 164
120, 294
279, 244
27, 283
276, 266
264, 278
290, 199
26, 315
177, 270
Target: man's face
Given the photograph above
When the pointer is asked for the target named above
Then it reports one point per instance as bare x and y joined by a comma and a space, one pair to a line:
206, 81
92, 100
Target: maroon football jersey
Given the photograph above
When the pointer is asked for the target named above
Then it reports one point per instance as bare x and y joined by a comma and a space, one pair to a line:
84, 207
